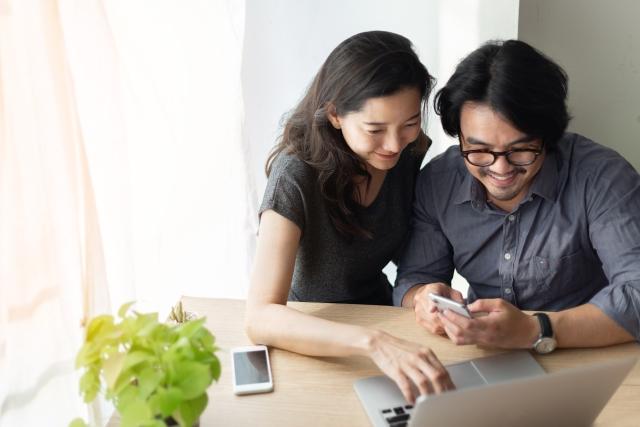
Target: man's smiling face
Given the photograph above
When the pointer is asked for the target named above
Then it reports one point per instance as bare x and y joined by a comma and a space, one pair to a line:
481, 128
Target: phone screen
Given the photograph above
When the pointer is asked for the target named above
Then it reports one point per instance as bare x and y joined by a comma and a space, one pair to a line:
251, 367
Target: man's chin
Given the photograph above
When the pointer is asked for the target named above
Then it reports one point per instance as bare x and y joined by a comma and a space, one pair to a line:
503, 196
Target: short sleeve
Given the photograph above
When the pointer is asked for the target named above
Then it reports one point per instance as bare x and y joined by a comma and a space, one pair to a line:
287, 189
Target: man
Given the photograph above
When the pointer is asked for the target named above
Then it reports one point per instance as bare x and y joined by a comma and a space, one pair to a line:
534, 218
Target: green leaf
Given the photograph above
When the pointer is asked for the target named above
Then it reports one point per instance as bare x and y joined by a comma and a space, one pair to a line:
188, 412
89, 354
90, 385
112, 367
165, 401
99, 325
135, 358
122, 311
148, 381
146, 324
192, 378
189, 328
78, 422
124, 380
215, 368
135, 414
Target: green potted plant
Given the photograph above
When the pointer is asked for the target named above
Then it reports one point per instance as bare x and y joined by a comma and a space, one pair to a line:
155, 374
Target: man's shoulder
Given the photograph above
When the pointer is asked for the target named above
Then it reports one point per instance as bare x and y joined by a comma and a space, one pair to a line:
585, 157
447, 162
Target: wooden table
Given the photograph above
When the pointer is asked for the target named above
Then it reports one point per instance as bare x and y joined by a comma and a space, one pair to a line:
318, 391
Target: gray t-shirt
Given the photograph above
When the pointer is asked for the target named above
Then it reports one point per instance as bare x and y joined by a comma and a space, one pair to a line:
330, 267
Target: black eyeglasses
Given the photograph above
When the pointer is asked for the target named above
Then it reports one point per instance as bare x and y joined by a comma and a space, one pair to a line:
515, 157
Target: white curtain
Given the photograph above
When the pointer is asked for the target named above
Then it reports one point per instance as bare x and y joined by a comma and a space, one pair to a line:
122, 176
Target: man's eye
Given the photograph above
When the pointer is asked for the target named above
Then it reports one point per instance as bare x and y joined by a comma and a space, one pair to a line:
411, 124
374, 131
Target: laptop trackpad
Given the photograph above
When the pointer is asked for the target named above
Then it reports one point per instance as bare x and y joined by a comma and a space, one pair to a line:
507, 366
464, 375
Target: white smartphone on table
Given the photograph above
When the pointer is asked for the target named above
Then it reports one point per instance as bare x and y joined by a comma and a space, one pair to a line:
444, 303
251, 369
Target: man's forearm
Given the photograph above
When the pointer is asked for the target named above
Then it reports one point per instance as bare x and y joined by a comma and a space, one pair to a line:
407, 299
587, 326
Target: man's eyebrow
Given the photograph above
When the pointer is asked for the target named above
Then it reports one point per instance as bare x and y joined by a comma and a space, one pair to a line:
474, 141
415, 116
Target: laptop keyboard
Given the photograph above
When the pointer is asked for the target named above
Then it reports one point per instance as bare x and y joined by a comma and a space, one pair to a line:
398, 416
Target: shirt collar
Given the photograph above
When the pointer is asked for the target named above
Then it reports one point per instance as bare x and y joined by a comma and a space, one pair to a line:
545, 184
470, 189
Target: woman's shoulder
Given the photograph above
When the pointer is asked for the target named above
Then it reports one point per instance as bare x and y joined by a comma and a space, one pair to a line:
291, 166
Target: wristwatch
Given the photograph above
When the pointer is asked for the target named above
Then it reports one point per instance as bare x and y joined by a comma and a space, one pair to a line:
545, 343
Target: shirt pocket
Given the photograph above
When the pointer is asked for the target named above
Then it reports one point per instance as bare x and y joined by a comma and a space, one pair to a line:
558, 278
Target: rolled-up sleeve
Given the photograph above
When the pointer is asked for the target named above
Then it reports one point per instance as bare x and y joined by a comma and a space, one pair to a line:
613, 208
427, 255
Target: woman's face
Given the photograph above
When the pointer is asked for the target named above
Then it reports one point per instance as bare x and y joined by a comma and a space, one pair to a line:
382, 128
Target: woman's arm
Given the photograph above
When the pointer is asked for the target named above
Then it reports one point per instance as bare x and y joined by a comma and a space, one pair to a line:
269, 321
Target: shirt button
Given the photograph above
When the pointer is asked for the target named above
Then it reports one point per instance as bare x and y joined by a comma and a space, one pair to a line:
507, 291
507, 256
512, 218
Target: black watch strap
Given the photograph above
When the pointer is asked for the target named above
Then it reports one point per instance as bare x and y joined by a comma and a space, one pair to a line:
545, 325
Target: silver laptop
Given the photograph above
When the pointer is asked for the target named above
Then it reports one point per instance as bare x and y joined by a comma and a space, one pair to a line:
504, 390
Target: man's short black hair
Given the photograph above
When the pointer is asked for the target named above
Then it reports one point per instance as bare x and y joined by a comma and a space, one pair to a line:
515, 80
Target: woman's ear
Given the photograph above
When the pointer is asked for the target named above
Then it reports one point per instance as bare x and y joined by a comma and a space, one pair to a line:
332, 115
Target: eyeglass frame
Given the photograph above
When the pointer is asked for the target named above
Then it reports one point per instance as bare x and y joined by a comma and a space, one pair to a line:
496, 154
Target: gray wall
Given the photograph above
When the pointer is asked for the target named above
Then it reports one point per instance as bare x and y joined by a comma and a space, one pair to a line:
598, 43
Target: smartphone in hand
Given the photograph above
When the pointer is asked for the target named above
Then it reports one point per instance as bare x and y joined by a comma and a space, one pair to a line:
444, 303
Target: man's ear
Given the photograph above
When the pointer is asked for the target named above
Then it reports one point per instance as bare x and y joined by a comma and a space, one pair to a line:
332, 115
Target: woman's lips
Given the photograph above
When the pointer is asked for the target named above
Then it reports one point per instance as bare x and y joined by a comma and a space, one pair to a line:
386, 156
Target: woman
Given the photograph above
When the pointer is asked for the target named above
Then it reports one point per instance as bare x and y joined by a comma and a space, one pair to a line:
337, 205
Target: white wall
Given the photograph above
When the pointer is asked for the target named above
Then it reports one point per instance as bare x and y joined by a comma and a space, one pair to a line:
286, 42
598, 43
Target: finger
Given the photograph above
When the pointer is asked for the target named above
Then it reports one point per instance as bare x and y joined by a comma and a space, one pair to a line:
405, 387
437, 373
486, 305
458, 319
453, 331
419, 378
431, 322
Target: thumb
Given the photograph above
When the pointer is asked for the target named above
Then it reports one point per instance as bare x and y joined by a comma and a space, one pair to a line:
456, 295
486, 305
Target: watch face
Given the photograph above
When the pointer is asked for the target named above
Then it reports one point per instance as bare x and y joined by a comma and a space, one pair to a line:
545, 345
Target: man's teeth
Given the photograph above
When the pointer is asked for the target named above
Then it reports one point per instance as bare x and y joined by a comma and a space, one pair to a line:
502, 178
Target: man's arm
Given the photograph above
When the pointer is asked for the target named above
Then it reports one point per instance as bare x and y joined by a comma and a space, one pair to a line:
612, 204
587, 326
427, 256
505, 326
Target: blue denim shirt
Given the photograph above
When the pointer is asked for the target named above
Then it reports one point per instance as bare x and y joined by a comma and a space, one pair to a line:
574, 239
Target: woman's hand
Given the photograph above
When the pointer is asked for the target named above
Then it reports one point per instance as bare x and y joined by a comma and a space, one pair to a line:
410, 365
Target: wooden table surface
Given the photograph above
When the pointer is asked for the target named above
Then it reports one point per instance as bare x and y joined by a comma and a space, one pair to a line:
318, 391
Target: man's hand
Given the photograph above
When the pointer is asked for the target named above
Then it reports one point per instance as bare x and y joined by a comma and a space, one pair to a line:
504, 326
425, 309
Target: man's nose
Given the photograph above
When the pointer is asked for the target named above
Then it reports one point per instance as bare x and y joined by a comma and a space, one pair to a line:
501, 166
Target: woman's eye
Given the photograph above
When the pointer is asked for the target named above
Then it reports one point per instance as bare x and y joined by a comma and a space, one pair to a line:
411, 124
375, 131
